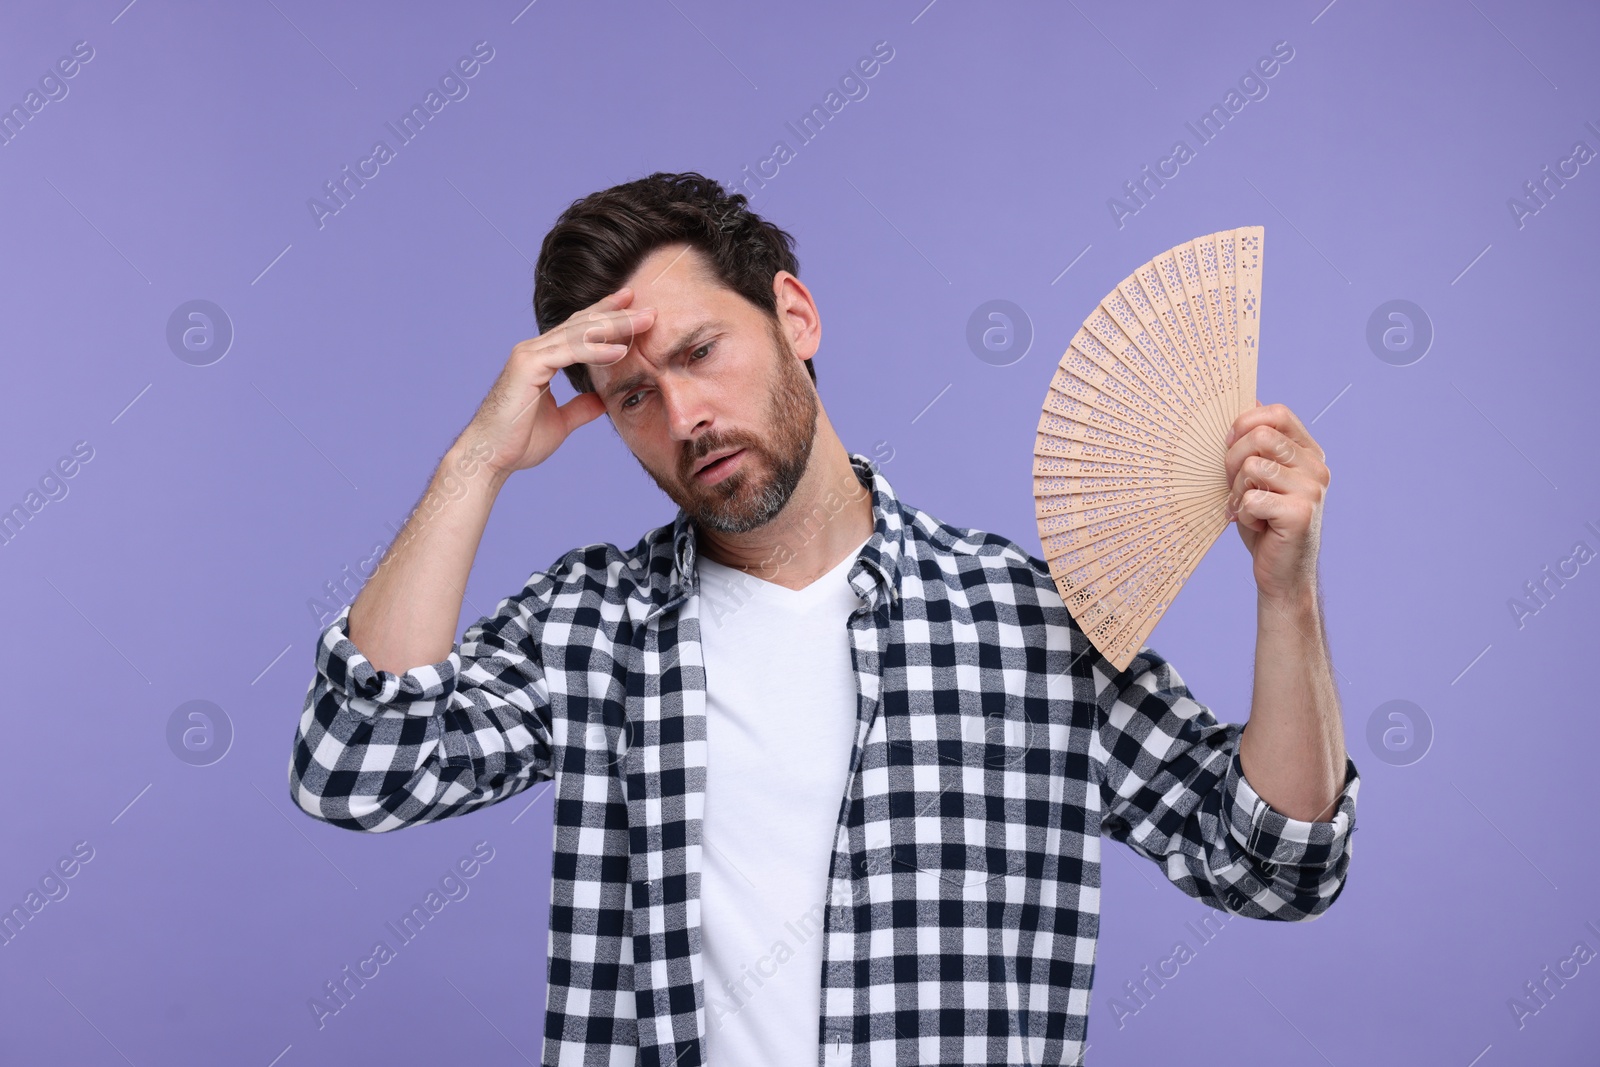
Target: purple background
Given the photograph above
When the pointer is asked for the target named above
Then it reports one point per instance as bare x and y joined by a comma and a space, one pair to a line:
221, 498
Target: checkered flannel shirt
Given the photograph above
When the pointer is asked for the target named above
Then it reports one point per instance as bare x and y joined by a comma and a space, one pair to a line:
994, 748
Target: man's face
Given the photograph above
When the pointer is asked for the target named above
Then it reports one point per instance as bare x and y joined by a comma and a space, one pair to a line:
712, 373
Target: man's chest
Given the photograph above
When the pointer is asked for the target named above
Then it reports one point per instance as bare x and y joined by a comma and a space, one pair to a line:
968, 753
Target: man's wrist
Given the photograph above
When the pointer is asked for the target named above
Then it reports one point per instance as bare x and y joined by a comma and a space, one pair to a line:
1300, 599
468, 462
1296, 610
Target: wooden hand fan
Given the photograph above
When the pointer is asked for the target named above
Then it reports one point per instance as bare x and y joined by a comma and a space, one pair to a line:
1129, 482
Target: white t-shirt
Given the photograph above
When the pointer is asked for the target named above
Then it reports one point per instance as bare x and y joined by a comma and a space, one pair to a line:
780, 723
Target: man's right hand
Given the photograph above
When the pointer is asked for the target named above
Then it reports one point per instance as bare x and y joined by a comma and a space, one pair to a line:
519, 421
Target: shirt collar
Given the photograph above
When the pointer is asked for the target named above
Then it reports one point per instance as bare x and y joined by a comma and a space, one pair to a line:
876, 572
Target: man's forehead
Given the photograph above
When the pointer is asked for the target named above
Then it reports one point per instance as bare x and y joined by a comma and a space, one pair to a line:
675, 327
676, 280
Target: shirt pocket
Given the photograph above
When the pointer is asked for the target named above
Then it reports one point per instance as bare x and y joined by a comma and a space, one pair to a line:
949, 804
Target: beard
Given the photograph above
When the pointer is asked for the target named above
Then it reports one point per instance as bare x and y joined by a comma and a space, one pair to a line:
770, 469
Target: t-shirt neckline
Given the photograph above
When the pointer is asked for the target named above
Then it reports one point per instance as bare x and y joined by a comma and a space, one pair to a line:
783, 590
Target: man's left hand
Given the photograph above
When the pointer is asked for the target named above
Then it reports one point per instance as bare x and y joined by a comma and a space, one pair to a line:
1278, 479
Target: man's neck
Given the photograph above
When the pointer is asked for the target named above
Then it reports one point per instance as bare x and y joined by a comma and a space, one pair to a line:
829, 514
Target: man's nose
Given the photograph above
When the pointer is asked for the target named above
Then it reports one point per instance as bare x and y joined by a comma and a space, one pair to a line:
685, 404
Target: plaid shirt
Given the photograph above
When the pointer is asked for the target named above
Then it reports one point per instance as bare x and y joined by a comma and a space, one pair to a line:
994, 748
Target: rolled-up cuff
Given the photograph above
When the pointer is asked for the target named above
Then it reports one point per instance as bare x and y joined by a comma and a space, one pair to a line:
1272, 838
423, 690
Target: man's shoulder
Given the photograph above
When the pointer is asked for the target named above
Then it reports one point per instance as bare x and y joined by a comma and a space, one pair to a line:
968, 550
602, 563
600, 570
967, 559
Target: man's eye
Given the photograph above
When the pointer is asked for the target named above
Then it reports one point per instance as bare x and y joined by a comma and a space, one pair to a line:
706, 348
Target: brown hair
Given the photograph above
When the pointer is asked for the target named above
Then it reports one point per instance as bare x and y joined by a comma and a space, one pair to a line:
601, 239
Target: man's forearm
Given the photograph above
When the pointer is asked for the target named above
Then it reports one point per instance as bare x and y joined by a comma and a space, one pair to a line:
407, 612
1292, 749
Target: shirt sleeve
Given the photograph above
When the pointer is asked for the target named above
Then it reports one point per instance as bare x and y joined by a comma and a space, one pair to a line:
377, 751
1173, 789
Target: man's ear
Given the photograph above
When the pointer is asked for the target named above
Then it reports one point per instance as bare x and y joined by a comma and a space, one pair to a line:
781, 281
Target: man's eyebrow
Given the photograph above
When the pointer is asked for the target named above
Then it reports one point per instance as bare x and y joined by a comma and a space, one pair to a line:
685, 340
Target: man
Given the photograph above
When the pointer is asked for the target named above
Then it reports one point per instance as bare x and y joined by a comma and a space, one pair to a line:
830, 775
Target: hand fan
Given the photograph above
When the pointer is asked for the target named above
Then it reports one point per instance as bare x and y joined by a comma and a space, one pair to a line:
1129, 481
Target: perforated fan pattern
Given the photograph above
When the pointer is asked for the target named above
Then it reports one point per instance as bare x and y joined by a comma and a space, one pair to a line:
1129, 481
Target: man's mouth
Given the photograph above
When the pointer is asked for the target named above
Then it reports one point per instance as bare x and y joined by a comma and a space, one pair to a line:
714, 470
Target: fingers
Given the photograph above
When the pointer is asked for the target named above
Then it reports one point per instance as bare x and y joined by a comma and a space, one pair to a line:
1267, 492
1263, 472
599, 334
1265, 440
617, 299
1262, 442
1259, 509
1275, 471
1279, 418
603, 332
